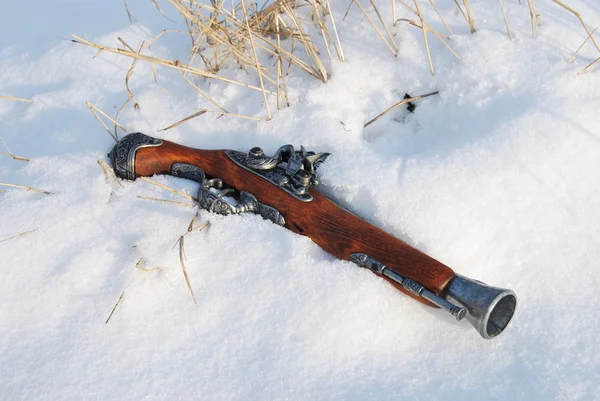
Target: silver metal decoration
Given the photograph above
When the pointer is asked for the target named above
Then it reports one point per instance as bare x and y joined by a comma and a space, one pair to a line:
364, 260
292, 170
489, 309
214, 198
123, 154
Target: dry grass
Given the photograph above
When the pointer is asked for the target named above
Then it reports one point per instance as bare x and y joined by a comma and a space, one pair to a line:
590, 35
26, 188
470, 18
11, 154
572, 58
19, 235
140, 266
163, 186
167, 201
181, 241
425, 28
239, 32
109, 172
16, 99
95, 111
400, 103
509, 33
115, 307
271, 41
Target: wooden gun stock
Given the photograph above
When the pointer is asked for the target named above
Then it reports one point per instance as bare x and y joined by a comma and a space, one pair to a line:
333, 228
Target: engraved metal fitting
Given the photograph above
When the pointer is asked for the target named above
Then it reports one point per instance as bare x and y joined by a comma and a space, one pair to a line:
488, 309
292, 170
122, 156
212, 195
364, 260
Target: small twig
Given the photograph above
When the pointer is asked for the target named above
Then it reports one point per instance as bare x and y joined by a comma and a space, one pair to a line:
400, 103
26, 187
115, 307
19, 235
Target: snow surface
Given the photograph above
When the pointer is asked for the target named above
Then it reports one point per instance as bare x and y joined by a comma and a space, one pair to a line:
498, 177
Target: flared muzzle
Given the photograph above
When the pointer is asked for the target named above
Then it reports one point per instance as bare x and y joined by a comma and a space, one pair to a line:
489, 309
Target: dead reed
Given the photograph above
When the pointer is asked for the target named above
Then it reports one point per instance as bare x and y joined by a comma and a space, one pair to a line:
28, 188
11, 154
115, 307
181, 241
271, 41
16, 99
239, 33
400, 103
109, 172
163, 186
19, 235
167, 201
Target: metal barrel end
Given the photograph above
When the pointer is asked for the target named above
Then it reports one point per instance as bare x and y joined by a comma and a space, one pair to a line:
489, 309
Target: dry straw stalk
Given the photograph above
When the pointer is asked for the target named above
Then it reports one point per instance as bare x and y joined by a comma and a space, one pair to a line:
400, 103
17, 99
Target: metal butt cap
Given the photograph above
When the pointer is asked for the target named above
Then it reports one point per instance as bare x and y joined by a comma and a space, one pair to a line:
489, 309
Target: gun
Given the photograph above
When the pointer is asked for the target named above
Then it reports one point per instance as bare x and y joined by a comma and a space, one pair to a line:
282, 188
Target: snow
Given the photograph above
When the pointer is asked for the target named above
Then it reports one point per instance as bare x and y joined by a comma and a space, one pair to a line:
496, 177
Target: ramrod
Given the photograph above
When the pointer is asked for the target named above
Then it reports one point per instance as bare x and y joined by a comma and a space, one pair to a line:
281, 188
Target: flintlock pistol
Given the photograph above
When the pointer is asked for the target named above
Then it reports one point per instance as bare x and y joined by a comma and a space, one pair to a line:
281, 188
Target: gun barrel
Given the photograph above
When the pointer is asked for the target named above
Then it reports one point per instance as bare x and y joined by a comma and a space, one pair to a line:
489, 309
416, 288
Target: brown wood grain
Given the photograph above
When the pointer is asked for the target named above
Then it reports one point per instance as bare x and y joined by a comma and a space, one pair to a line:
333, 228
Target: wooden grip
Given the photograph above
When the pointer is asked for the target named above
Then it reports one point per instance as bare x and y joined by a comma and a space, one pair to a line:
333, 228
